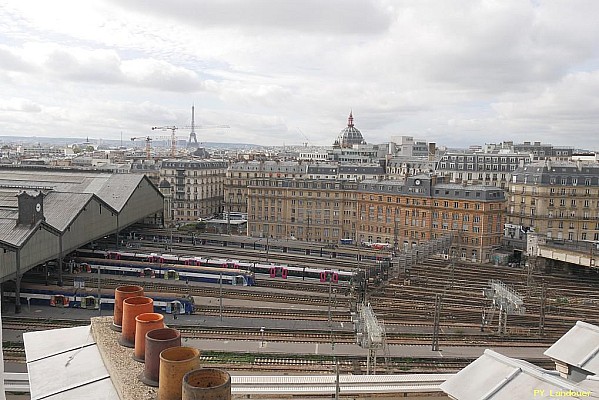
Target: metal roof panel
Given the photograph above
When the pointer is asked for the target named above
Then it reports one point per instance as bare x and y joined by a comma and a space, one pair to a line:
66, 371
40, 344
493, 376
61, 208
578, 347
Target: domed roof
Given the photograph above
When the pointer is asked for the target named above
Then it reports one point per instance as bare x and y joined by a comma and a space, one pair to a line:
349, 135
164, 184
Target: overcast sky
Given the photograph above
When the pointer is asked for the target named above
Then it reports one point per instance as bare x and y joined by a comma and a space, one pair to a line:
289, 71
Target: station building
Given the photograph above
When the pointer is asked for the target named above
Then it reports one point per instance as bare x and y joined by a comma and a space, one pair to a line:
401, 213
47, 213
424, 208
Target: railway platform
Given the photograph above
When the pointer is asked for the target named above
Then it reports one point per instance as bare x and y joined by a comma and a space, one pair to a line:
266, 347
349, 350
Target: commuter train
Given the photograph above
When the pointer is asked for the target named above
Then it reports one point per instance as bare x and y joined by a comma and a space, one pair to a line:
377, 246
346, 249
234, 277
186, 266
87, 298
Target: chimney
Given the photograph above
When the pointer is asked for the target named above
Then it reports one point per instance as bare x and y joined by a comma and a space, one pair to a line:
432, 149
31, 208
206, 384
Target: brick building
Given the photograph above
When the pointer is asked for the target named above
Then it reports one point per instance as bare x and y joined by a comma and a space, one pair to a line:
422, 208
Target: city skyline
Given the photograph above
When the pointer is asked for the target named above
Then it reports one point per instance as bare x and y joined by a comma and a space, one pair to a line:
283, 72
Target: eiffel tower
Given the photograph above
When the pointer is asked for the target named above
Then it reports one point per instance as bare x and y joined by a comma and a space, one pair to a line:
193, 140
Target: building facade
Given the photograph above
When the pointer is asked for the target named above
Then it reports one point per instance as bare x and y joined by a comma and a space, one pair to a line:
196, 188
477, 168
308, 209
240, 174
540, 152
420, 209
399, 167
559, 200
395, 212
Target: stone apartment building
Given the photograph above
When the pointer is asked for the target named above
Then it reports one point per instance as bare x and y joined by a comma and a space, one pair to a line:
240, 174
478, 168
559, 200
540, 151
309, 209
494, 164
193, 189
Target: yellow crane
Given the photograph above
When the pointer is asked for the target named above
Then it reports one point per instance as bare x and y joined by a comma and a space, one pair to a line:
173, 137
148, 144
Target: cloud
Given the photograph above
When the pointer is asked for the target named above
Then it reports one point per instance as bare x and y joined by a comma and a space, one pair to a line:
20, 105
76, 64
161, 75
10, 60
346, 17
83, 65
461, 72
569, 105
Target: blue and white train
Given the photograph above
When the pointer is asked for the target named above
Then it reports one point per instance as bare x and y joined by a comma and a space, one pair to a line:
70, 297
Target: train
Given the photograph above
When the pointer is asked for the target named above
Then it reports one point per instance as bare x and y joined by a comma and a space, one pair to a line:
349, 250
232, 277
377, 246
72, 297
188, 267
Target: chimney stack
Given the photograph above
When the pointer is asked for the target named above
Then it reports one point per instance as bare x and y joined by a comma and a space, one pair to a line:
31, 208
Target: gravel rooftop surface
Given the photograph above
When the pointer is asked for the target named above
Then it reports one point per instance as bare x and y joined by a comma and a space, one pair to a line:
123, 369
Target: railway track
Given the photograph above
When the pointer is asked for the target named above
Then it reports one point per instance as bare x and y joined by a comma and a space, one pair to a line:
406, 305
395, 302
367, 258
332, 335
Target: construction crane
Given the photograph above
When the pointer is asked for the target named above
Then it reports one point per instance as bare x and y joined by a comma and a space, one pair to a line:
173, 137
305, 137
193, 140
148, 144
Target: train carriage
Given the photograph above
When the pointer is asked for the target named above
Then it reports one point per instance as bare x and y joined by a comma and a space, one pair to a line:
69, 297
166, 271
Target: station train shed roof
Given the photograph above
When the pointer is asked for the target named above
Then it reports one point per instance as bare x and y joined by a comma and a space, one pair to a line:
46, 213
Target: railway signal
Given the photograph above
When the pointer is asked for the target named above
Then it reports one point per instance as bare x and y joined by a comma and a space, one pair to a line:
505, 300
